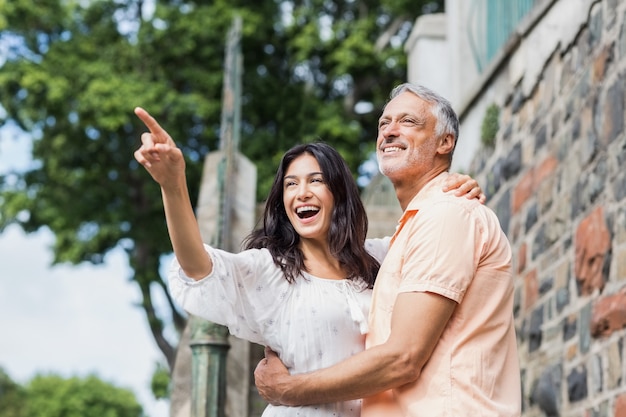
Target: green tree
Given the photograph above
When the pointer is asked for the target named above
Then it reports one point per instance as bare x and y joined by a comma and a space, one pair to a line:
54, 396
73, 72
12, 397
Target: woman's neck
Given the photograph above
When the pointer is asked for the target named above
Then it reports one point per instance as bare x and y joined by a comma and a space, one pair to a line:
320, 262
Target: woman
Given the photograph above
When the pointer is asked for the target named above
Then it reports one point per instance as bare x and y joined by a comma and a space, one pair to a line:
302, 285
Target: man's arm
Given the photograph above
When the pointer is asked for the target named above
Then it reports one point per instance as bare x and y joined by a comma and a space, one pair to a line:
417, 323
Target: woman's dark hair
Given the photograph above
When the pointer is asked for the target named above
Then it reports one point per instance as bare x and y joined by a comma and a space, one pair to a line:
348, 229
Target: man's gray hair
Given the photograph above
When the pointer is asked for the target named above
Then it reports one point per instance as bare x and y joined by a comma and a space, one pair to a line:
447, 119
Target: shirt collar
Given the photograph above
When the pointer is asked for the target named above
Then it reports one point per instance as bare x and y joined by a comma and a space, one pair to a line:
430, 189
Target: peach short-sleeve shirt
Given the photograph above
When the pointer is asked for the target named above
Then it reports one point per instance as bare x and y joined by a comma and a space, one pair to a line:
453, 247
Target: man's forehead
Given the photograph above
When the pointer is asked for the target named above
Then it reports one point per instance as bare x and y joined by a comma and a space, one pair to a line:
405, 104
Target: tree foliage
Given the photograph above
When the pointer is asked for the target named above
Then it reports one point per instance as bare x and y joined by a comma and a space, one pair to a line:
12, 397
54, 396
74, 71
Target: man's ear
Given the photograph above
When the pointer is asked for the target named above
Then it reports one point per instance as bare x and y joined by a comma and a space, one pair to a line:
446, 144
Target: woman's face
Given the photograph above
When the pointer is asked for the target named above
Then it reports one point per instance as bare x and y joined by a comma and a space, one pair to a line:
308, 201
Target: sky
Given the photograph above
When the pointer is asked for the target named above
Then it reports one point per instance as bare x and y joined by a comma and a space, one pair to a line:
70, 320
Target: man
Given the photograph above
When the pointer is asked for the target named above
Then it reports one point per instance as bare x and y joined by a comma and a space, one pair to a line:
442, 338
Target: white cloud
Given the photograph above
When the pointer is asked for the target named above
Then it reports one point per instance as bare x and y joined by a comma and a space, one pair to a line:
73, 320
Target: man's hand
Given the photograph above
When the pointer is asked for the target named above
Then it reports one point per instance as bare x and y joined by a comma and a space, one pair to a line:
270, 377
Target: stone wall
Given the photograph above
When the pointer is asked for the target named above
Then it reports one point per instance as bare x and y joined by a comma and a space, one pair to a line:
382, 206
557, 179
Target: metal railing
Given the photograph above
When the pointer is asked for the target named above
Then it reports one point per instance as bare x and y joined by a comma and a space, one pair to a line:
491, 23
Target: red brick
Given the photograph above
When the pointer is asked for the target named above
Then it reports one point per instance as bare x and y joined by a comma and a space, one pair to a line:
531, 289
521, 258
609, 314
620, 406
547, 167
530, 182
593, 241
522, 191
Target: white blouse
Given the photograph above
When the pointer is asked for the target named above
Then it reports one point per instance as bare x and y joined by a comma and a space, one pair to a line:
311, 324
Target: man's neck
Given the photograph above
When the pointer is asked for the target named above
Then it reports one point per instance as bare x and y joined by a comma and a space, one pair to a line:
407, 188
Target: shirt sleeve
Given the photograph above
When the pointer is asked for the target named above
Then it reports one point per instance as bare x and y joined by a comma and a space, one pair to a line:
441, 256
378, 247
240, 292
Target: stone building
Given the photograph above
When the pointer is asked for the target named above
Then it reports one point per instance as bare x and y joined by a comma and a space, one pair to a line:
540, 87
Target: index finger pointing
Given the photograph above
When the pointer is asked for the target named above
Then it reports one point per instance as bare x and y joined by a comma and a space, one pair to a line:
151, 123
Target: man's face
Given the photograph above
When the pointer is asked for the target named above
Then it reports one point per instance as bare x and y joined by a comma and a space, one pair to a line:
406, 145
